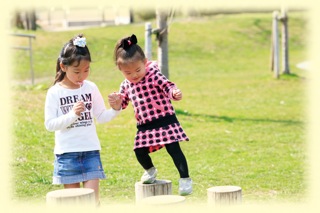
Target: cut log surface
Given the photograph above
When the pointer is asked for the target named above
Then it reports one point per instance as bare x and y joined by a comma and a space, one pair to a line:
82, 196
160, 187
224, 195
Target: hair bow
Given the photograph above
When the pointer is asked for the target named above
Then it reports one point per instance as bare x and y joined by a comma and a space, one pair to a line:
127, 42
80, 42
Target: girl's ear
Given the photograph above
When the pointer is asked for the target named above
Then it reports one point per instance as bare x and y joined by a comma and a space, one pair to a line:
63, 67
145, 61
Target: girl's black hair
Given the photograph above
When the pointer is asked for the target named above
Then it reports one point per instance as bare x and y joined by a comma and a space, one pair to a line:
127, 50
69, 54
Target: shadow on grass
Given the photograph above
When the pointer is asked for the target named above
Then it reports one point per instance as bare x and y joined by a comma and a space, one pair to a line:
233, 119
291, 76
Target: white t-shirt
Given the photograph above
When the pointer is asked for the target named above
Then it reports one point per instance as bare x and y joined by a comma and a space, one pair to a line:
75, 133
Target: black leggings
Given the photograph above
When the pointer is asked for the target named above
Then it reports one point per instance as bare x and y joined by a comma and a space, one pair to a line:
174, 151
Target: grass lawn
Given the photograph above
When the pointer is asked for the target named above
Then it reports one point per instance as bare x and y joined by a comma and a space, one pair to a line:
246, 127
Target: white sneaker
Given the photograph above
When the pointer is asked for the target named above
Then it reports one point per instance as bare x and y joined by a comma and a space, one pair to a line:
149, 176
185, 186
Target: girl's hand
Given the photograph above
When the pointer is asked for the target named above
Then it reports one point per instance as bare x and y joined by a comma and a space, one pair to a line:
115, 100
177, 94
78, 108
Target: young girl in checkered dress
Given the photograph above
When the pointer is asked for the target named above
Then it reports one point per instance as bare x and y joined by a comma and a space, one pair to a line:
150, 93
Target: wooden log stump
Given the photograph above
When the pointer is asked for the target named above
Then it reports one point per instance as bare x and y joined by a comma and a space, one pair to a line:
224, 195
78, 196
162, 200
160, 187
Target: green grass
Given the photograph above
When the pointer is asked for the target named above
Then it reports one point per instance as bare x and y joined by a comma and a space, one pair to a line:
246, 128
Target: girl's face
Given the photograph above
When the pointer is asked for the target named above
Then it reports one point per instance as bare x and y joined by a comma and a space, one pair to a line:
133, 71
75, 73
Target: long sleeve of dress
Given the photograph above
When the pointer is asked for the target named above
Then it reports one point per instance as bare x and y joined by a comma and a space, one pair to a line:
162, 82
124, 95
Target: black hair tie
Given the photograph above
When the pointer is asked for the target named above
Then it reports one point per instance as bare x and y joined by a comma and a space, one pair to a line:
127, 42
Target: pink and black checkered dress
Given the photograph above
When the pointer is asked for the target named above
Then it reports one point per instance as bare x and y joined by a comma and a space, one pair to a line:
156, 120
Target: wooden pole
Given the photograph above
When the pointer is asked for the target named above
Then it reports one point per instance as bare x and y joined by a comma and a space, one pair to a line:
160, 187
275, 42
74, 196
224, 195
272, 50
285, 42
148, 41
272, 53
31, 61
162, 17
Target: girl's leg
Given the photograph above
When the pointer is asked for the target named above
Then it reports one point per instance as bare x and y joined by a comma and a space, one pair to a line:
142, 155
178, 158
185, 182
72, 185
149, 176
93, 184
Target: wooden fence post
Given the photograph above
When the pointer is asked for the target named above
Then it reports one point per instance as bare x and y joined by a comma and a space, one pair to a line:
275, 45
162, 17
148, 41
285, 42
275, 61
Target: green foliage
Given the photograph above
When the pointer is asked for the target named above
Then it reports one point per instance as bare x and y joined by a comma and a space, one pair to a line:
246, 128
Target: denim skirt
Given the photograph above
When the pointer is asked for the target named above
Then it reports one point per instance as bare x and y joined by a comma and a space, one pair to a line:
76, 167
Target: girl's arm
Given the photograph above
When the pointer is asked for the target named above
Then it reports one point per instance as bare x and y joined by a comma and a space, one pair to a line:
100, 112
177, 94
124, 96
53, 122
115, 101
169, 88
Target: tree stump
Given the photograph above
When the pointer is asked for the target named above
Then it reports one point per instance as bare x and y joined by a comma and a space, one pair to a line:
160, 187
78, 196
162, 200
224, 195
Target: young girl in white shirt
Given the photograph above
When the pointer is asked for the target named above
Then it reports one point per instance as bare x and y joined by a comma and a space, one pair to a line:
71, 105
